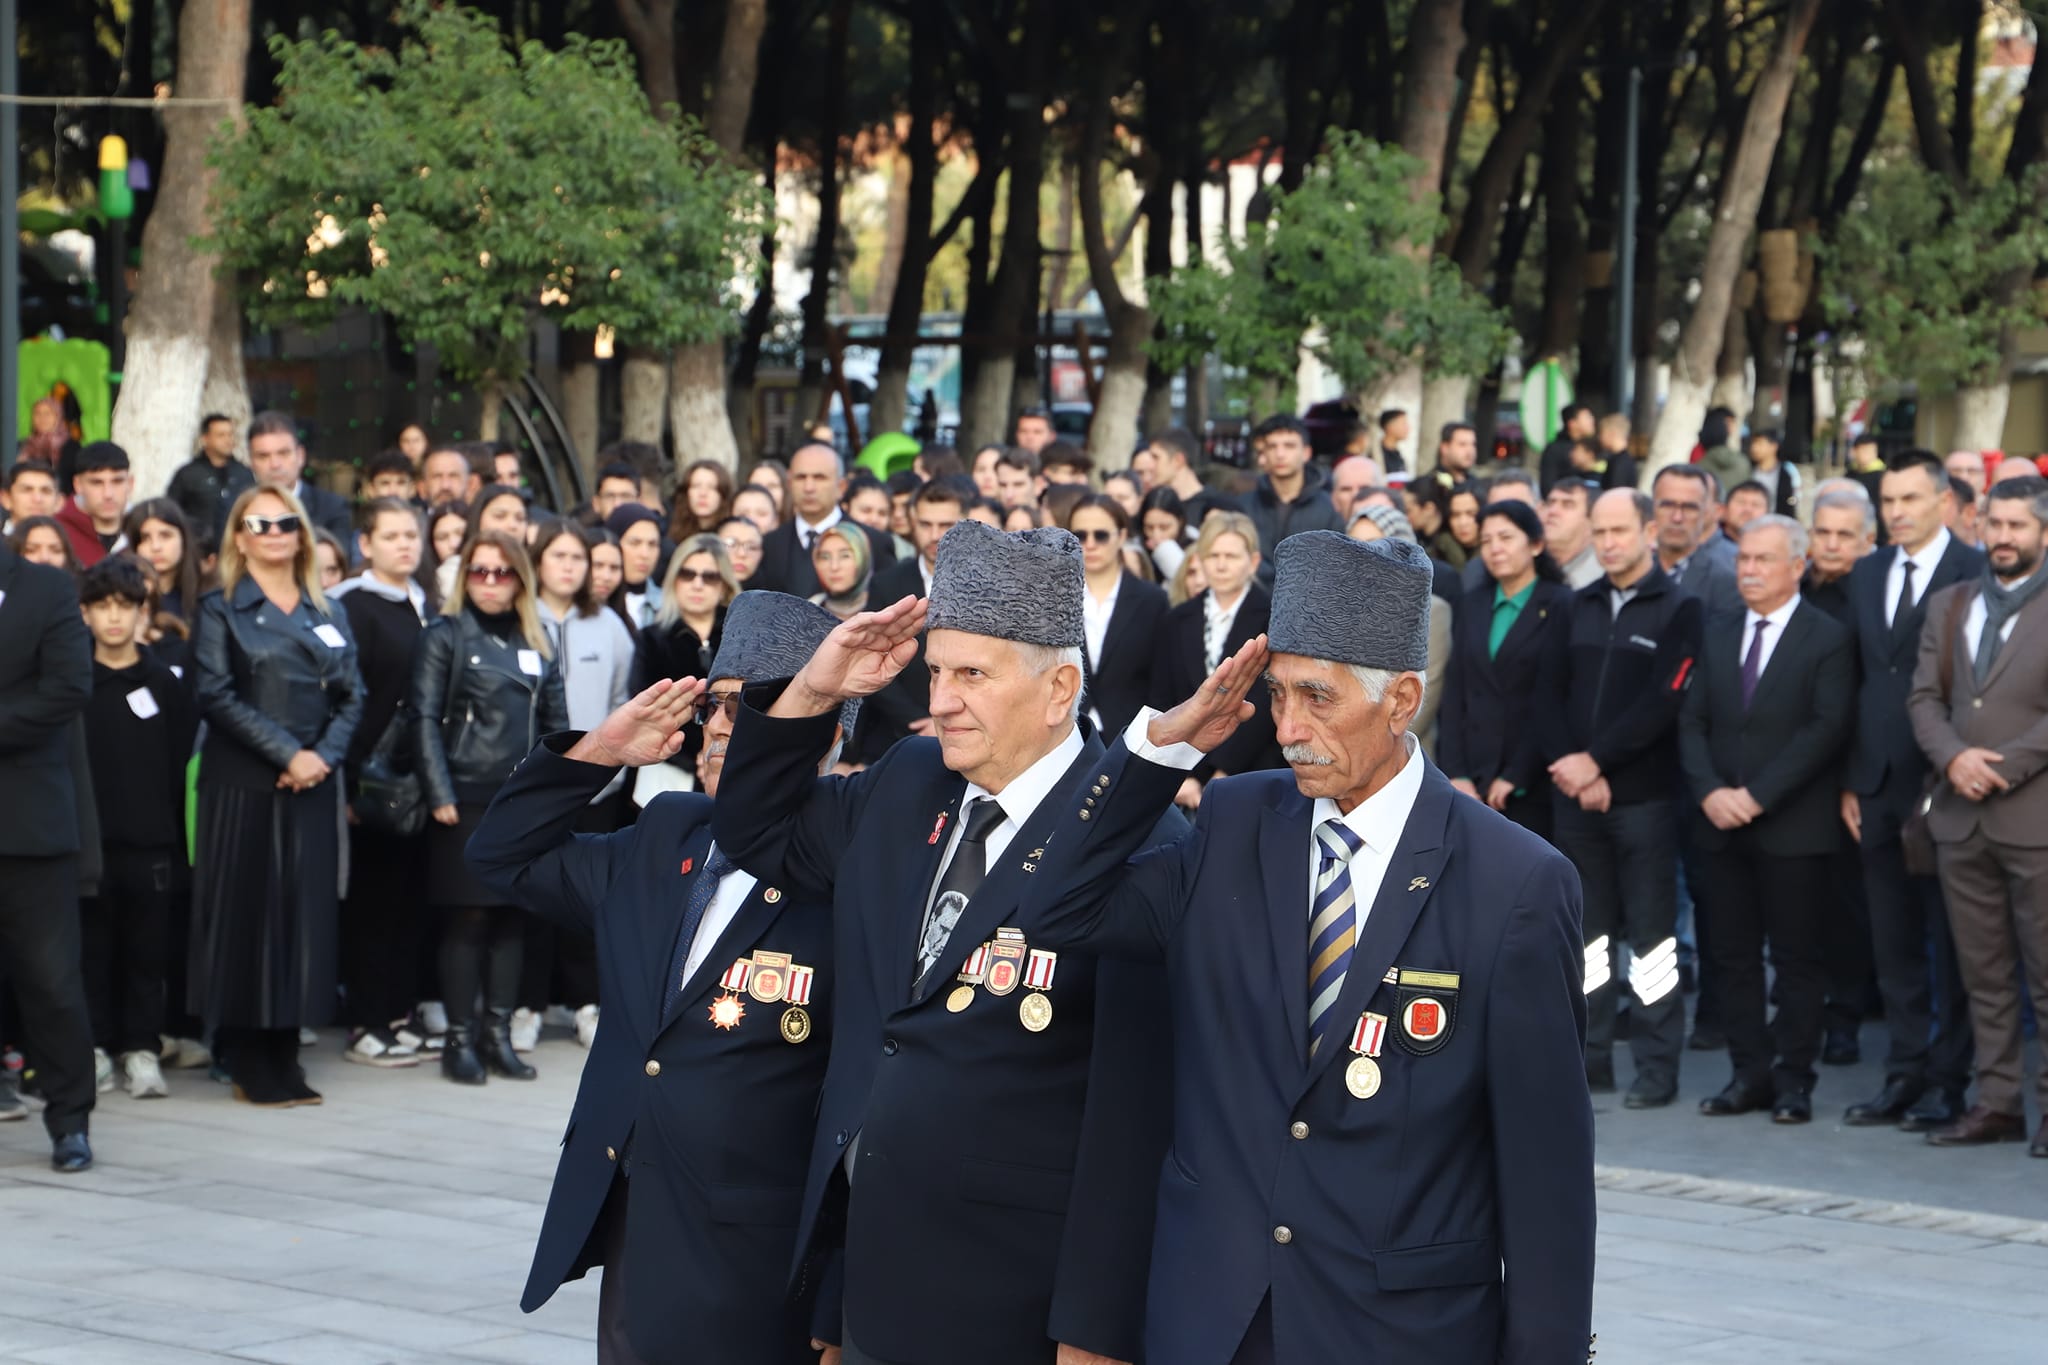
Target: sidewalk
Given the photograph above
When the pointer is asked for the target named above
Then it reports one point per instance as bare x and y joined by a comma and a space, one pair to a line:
393, 1224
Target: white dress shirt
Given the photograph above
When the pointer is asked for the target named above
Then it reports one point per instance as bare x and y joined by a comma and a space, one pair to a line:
807, 532
1774, 631
1216, 624
725, 905
1095, 616
1923, 572
1021, 797
1973, 624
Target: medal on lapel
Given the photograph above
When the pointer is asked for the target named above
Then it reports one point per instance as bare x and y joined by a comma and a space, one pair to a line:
1428, 1006
1362, 1076
970, 976
1035, 1010
1007, 967
796, 1020
771, 977
727, 1010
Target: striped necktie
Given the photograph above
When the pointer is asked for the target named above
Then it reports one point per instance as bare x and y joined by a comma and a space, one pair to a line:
1333, 925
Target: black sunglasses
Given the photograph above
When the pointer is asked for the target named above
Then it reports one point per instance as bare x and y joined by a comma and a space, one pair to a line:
267, 526
708, 577
490, 573
709, 706
1097, 536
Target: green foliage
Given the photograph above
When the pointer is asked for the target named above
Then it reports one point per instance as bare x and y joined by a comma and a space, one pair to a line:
1918, 277
466, 188
1336, 271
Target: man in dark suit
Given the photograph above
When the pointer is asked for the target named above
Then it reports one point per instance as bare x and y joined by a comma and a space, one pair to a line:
817, 479
903, 708
278, 460
994, 1110
1382, 1149
1927, 1066
1759, 738
45, 682
683, 1166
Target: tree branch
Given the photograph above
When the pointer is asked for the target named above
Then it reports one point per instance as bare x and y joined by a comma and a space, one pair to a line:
1904, 37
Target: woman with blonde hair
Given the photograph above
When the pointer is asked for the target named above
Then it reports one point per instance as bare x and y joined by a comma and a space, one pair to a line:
279, 689
485, 688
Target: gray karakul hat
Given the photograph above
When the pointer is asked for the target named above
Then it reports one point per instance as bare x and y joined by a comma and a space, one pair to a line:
769, 635
1019, 585
1363, 602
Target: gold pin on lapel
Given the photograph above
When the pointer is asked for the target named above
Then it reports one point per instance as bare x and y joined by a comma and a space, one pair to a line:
1419, 884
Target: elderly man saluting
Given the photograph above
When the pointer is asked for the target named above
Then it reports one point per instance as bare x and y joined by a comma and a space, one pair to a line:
994, 1110
1382, 1144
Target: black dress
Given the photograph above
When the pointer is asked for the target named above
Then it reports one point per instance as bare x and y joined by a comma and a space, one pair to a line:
676, 652
269, 869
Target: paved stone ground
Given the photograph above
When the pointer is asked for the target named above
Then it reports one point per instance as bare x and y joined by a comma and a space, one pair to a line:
394, 1223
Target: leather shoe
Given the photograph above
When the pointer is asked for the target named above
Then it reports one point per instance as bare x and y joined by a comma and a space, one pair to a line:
1841, 1048
1979, 1128
1795, 1106
1938, 1108
1736, 1099
1600, 1078
1887, 1107
1648, 1094
2039, 1146
1707, 1038
71, 1154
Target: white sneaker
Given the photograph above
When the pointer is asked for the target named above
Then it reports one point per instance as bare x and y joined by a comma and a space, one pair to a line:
378, 1047
185, 1054
308, 1038
434, 1015
586, 1025
525, 1030
102, 1070
145, 1077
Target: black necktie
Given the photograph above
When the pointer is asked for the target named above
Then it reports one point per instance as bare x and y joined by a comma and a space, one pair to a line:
1905, 602
810, 541
957, 885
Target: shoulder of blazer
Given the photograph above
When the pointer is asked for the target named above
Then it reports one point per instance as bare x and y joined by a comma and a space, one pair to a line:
682, 812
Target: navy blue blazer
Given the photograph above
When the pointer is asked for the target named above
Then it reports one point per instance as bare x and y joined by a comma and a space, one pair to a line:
710, 1127
1885, 761
1448, 1216
1001, 1200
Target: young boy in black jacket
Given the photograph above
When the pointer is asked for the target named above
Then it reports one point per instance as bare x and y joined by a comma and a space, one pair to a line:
139, 728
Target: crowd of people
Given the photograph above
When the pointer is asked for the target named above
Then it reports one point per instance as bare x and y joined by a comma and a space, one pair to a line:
296, 710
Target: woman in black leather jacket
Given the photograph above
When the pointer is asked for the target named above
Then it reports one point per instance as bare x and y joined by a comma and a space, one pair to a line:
486, 688
278, 685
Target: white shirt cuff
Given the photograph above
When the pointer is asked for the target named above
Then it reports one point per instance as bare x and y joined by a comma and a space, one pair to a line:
1138, 740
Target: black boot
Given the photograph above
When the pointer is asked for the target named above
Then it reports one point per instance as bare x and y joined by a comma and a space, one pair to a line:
459, 1062
496, 1048
250, 1063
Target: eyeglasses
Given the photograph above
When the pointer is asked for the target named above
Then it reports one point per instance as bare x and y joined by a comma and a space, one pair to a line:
272, 526
735, 544
1098, 536
710, 705
486, 573
708, 577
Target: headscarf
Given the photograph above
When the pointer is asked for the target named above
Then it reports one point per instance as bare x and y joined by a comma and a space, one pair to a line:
854, 599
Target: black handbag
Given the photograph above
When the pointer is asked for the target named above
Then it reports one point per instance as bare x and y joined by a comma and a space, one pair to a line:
389, 796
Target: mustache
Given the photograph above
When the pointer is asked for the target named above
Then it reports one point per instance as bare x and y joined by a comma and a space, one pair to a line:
715, 749
1302, 753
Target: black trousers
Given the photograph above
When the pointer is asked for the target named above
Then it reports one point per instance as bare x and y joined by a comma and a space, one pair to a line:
613, 1346
125, 931
40, 952
481, 948
382, 924
1924, 1006
1257, 1346
560, 967
1845, 932
1753, 899
1532, 811
1627, 866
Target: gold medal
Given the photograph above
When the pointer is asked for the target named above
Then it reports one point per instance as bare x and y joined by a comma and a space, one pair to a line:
1362, 1077
960, 999
796, 1024
1036, 1012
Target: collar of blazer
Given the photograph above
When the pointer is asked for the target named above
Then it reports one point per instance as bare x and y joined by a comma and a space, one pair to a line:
1413, 873
1788, 648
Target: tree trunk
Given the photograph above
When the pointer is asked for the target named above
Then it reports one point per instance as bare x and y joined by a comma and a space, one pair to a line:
168, 326
700, 426
227, 382
1731, 372
580, 405
1113, 429
490, 408
1446, 398
1692, 372
813, 381
1564, 252
739, 67
643, 387
890, 408
1980, 416
650, 27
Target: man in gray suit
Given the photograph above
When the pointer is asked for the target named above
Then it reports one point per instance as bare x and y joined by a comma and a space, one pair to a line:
1690, 546
1979, 708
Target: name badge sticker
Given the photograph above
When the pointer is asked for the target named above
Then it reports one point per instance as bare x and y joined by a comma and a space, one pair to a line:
330, 635
529, 662
142, 702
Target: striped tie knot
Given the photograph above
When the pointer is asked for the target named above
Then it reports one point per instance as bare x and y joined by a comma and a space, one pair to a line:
1333, 923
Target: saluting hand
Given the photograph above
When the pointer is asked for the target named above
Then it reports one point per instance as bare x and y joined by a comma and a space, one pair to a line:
647, 729
862, 655
1218, 707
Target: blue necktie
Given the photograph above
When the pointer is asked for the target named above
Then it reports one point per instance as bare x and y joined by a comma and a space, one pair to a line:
1333, 924
715, 869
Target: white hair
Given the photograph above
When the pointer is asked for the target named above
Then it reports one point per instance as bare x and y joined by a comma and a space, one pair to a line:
1375, 681
1794, 533
1039, 660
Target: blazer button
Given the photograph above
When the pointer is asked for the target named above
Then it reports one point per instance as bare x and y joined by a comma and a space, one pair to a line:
1283, 1234
1084, 815
889, 1047
611, 1154
839, 1138
654, 1068
1977, 702
1299, 1130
